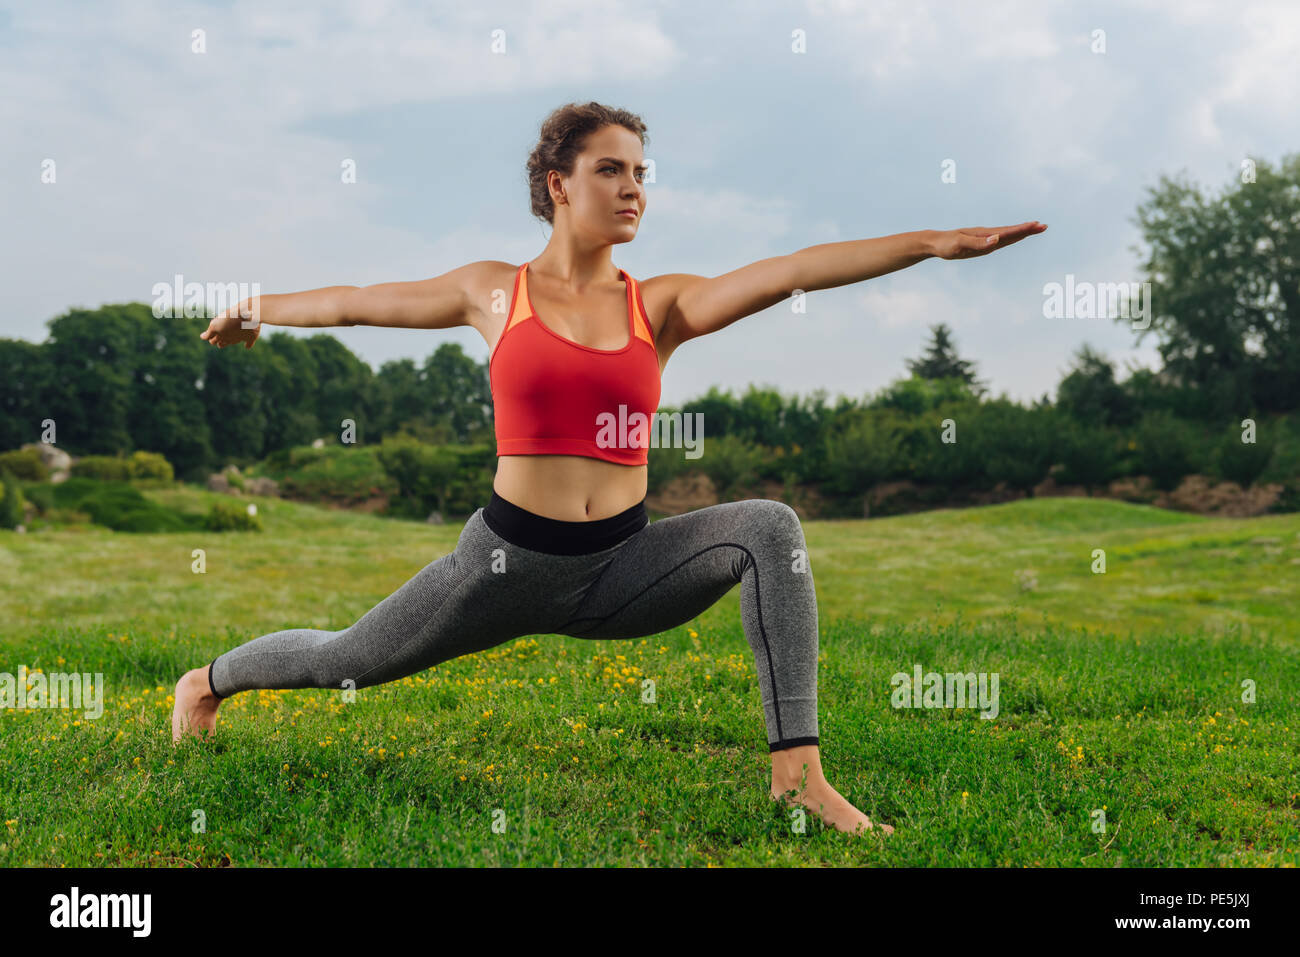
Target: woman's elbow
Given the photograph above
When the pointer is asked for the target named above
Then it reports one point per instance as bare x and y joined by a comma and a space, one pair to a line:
347, 308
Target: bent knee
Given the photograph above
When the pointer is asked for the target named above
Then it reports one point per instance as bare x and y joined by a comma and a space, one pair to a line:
773, 516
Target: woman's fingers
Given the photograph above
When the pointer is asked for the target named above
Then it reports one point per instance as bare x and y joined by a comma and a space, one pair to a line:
1016, 233
1002, 230
1024, 229
978, 240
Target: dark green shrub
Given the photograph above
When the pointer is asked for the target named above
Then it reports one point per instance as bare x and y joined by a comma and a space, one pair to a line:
40, 494
664, 465
1289, 499
1165, 448
953, 464
421, 471
666, 462
1089, 455
1244, 462
453, 479
916, 395
868, 451
344, 475
730, 462
118, 506
1019, 445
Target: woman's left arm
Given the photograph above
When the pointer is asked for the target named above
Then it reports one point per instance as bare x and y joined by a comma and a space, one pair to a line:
701, 305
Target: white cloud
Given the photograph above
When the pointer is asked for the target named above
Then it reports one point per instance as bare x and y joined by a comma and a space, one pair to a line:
899, 305
170, 160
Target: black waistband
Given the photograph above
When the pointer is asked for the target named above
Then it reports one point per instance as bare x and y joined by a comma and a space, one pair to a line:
555, 537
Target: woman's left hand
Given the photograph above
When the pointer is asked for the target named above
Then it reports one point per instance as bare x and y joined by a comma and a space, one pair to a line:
979, 240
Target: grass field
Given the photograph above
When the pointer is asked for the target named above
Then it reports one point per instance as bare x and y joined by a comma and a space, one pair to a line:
1120, 691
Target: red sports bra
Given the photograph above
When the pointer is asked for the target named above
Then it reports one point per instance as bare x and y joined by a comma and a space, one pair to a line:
553, 396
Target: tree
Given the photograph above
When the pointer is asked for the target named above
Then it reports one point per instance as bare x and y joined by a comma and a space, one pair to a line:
290, 382
235, 404
1225, 279
914, 395
167, 410
343, 388
456, 393
24, 384
1089, 392
399, 404
91, 362
720, 411
941, 361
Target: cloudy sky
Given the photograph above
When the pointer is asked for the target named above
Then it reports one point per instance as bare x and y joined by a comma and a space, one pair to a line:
772, 127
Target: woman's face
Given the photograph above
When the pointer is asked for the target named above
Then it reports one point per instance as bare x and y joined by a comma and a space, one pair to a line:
607, 177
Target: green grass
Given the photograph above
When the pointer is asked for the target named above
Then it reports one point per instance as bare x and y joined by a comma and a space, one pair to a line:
1121, 691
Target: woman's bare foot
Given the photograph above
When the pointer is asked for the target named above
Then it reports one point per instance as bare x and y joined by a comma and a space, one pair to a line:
195, 710
815, 792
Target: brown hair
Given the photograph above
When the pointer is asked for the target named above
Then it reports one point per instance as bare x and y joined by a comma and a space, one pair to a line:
563, 135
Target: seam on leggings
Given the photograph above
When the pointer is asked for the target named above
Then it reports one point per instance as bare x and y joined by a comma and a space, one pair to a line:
583, 600
762, 632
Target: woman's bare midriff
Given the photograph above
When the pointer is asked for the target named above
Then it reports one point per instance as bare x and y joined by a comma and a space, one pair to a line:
571, 488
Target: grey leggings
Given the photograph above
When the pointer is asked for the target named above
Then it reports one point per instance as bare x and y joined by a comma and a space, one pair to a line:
489, 591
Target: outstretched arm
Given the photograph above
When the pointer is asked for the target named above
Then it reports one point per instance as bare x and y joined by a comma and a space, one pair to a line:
438, 303
701, 304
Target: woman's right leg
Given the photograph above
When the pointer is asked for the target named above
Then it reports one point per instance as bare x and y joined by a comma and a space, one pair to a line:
456, 605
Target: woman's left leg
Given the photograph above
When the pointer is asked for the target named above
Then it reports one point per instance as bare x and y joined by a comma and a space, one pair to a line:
673, 569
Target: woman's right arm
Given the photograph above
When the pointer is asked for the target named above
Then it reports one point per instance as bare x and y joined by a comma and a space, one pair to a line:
438, 303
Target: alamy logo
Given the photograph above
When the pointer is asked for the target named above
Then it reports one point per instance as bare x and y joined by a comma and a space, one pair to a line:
102, 910
662, 430
1098, 300
36, 689
950, 690
190, 300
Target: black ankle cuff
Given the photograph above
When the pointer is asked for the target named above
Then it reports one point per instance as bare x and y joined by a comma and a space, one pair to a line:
210, 684
791, 743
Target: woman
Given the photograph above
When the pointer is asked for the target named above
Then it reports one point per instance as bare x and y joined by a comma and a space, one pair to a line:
564, 545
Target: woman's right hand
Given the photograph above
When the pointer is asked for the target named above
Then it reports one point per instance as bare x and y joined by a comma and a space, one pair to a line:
227, 328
